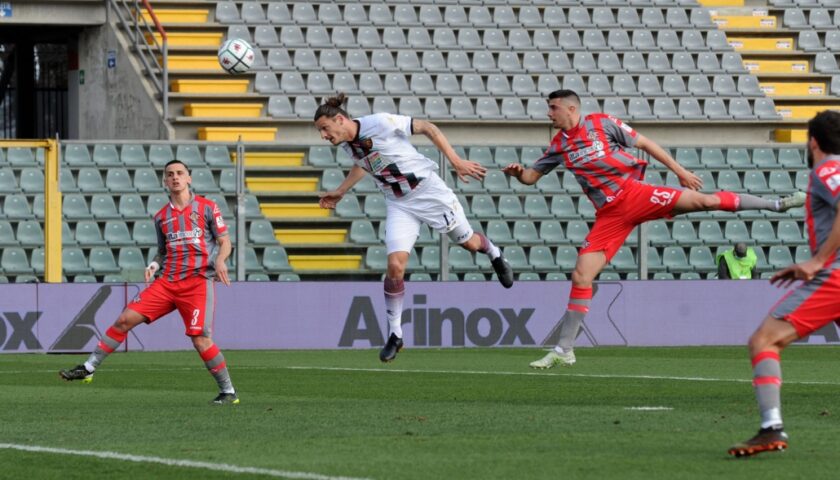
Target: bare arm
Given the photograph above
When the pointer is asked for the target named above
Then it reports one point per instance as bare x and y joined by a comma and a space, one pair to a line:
331, 199
526, 176
463, 168
809, 268
157, 262
224, 252
687, 179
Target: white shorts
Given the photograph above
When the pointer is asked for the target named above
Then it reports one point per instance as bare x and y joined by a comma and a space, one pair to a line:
432, 203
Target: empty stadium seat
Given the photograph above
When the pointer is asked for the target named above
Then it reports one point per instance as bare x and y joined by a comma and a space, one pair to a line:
103, 207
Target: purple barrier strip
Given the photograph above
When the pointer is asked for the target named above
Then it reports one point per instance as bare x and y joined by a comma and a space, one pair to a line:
300, 315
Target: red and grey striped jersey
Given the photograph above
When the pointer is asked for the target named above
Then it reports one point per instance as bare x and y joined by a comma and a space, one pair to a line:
187, 238
594, 152
821, 206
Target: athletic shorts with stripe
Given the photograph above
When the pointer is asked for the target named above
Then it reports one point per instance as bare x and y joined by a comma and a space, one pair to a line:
637, 203
432, 203
193, 297
813, 304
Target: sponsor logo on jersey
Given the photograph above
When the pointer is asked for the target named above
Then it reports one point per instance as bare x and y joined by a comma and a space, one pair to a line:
833, 182
826, 171
220, 223
185, 234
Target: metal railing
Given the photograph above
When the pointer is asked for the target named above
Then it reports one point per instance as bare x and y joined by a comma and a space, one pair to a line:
146, 43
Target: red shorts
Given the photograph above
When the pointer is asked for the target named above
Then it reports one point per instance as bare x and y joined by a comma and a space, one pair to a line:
194, 298
813, 304
637, 203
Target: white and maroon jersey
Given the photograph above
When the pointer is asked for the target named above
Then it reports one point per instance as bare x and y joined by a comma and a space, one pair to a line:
187, 238
593, 152
383, 149
821, 207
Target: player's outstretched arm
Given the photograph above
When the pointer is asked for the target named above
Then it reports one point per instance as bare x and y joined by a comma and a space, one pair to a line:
331, 199
809, 268
687, 179
224, 253
527, 176
463, 168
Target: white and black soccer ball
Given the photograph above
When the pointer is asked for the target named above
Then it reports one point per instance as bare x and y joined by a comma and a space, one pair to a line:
236, 56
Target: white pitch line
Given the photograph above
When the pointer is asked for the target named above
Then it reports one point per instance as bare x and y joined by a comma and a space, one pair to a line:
649, 409
549, 374
218, 467
450, 372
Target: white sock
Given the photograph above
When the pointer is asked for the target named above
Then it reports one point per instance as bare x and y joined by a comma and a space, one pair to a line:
90, 368
396, 326
560, 350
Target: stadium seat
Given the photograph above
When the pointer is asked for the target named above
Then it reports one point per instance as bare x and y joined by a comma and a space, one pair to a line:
525, 232
131, 207
499, 231
803, 253
566, 258
736, 231
261, 232
789, 232
77, 156
106, 155
715, 109
155, 202
30, 233
14, 261
642, 40
762, 232
779, 257
118, 180
88, 233
729, 180
375, 206
74, 262
275, 259
780, 182
227, 180
7, 235
739, 158
639, 109
16, 206
103, 207
362, 232
790, 158
75, 207
217, 156
348, 207
32, 180
576, 231
756, 183
684, 234
160, 155
117, 234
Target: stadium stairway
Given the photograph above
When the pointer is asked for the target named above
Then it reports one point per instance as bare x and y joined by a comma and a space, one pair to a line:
791, 50
207, 103
287, 190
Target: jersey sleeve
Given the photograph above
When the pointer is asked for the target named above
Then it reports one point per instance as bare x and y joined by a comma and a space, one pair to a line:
549, 161
161, 242
215, 220
825, 183
622, 133
399, 124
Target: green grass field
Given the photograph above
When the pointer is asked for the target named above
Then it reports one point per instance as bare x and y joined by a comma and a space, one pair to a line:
456, 413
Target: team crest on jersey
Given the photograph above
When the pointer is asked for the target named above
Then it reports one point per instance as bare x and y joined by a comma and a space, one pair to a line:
833, 182
194, 216
592, 135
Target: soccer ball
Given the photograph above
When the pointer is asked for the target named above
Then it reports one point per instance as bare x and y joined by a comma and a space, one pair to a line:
236, 56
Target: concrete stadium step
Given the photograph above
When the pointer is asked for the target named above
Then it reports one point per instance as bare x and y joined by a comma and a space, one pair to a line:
232, 134
187, 39
778, 89
194, 62
293, 210
803, 112
209, 86
325, 262
272, 159
220, 110
791, 135
725, 22
311, 235
748, 44
178, 15
282, 184
759, 66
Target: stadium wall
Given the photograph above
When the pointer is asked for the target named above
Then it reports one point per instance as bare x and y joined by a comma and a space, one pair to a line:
70, 317
114, 101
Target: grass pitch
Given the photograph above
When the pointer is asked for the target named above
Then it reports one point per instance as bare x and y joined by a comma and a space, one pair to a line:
453, 413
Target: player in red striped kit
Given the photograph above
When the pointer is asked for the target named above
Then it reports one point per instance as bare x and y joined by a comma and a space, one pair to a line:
193, 245
814, 303
592, 148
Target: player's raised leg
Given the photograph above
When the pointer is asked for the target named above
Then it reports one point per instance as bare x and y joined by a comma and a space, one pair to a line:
478, 242
692, 201
114, 336
588, 266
